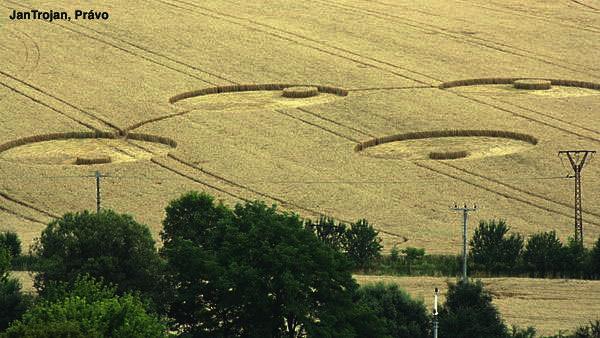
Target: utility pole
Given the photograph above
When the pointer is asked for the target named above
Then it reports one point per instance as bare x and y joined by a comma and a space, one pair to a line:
435, 313
98, 191
577, 159
465, 212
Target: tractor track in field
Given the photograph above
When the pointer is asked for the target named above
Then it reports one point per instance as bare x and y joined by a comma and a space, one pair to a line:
145, 49
401, 68
525, 116
476, 41
26, 205
254, 26
351, 139
157, 119
48, 106
506, 10
548, 116
274, 198
128, 51
540, 196
398, 67
505, 195
31, 53
335, 122
44, 92
581, 3
19, 215
230, 182
194, 179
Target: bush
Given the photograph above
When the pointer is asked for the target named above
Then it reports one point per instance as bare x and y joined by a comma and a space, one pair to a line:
402, 317
4, 262
491, 250
13, 303
329, 232
105, 245
362, 244
576, 260
595, 259
589, 331
411, 256
90, 309
469, 312
11, 241
544, 254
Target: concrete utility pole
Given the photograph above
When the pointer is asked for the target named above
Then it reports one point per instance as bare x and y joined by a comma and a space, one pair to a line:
435, 313
98, 191
465, 212
577, 159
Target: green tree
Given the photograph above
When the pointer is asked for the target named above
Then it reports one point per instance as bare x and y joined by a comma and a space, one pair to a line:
576, 259
255, 272
412, 255
88, 310
492, 250
362, 244
13, 302
4, 262
104, 245
544, 253
401, 316
11, 241
595, 259
469, 312
328, 231
588, 331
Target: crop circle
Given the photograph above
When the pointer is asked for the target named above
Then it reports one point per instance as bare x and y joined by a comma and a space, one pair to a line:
300, 92
85, 148
533, 84
446, 144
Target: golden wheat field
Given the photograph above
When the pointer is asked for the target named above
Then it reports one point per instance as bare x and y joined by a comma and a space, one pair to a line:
210, 77
549, 305
404, 108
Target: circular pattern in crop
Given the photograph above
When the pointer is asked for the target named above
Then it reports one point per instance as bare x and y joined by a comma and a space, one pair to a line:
253, 97
84, 148
533, 84
446, 145
300, 92
507, 86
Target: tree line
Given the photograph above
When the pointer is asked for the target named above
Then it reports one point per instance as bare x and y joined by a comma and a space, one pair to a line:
495, 251
243, 271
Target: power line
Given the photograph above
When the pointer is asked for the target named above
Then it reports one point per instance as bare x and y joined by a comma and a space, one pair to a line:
162, 178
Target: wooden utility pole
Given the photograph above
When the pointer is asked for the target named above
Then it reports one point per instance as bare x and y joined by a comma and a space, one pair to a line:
577, 159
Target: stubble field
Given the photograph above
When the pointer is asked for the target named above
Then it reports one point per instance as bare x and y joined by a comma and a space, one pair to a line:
387, 65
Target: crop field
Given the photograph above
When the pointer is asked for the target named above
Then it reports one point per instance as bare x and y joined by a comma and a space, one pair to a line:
201, 85
541, 303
